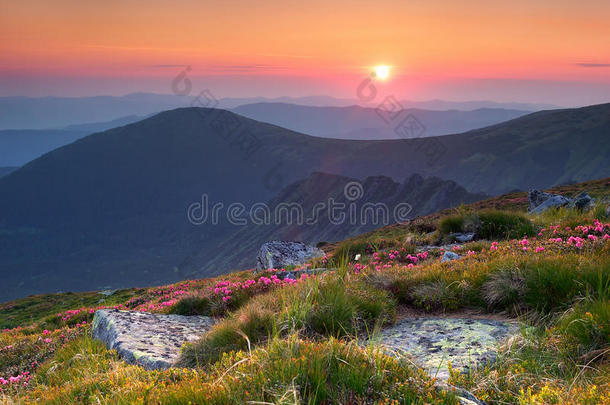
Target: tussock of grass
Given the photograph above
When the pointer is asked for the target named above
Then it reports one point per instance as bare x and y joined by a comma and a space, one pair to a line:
504, 289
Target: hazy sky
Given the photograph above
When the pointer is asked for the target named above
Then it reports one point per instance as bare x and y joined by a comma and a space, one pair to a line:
539, 51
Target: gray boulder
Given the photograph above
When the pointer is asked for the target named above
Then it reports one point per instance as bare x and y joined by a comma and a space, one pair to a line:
279, 254
448, 256
582, 201
541, 201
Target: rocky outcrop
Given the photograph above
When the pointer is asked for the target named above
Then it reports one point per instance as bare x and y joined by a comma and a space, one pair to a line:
279, 254
152, 341
541, 201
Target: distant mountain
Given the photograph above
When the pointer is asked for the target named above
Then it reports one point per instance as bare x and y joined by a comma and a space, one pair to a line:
356, 122
18, 147
59, 112
6, 170
92, 127
442, 105
112, 207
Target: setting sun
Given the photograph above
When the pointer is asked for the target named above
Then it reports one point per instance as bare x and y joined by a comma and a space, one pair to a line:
382, 72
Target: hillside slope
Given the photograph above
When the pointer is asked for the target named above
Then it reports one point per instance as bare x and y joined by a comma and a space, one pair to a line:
276, 337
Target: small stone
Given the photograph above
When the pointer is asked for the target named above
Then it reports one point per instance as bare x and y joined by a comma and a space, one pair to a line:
448, 256
462, 237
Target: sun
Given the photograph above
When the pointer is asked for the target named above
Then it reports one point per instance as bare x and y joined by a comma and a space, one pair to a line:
382, 72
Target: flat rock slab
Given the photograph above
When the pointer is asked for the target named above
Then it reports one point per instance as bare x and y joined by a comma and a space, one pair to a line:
152, 341
434, 342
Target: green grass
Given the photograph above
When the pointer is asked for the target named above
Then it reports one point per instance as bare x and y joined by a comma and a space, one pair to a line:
35, 308
488, 224
192, 305
334, 306
284, 371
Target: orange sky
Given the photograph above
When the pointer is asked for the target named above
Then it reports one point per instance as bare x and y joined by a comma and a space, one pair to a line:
327, 41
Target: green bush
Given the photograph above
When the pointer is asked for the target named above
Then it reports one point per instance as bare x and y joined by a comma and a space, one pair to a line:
451, 224
192, 305
495, 224
488, 224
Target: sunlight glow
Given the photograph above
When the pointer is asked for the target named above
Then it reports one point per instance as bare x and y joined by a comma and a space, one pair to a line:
382, 72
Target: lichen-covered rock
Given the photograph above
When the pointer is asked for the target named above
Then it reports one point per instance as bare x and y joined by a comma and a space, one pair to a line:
279, 254
434, 342
152, 341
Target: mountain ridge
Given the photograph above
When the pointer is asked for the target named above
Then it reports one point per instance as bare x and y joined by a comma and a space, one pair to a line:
125, 207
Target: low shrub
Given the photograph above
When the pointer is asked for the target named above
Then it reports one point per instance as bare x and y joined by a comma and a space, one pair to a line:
488, 224
496, 224
451, 224
192, 305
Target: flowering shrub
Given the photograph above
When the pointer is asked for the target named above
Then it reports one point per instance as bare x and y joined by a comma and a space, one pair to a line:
385, 259
20, 358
